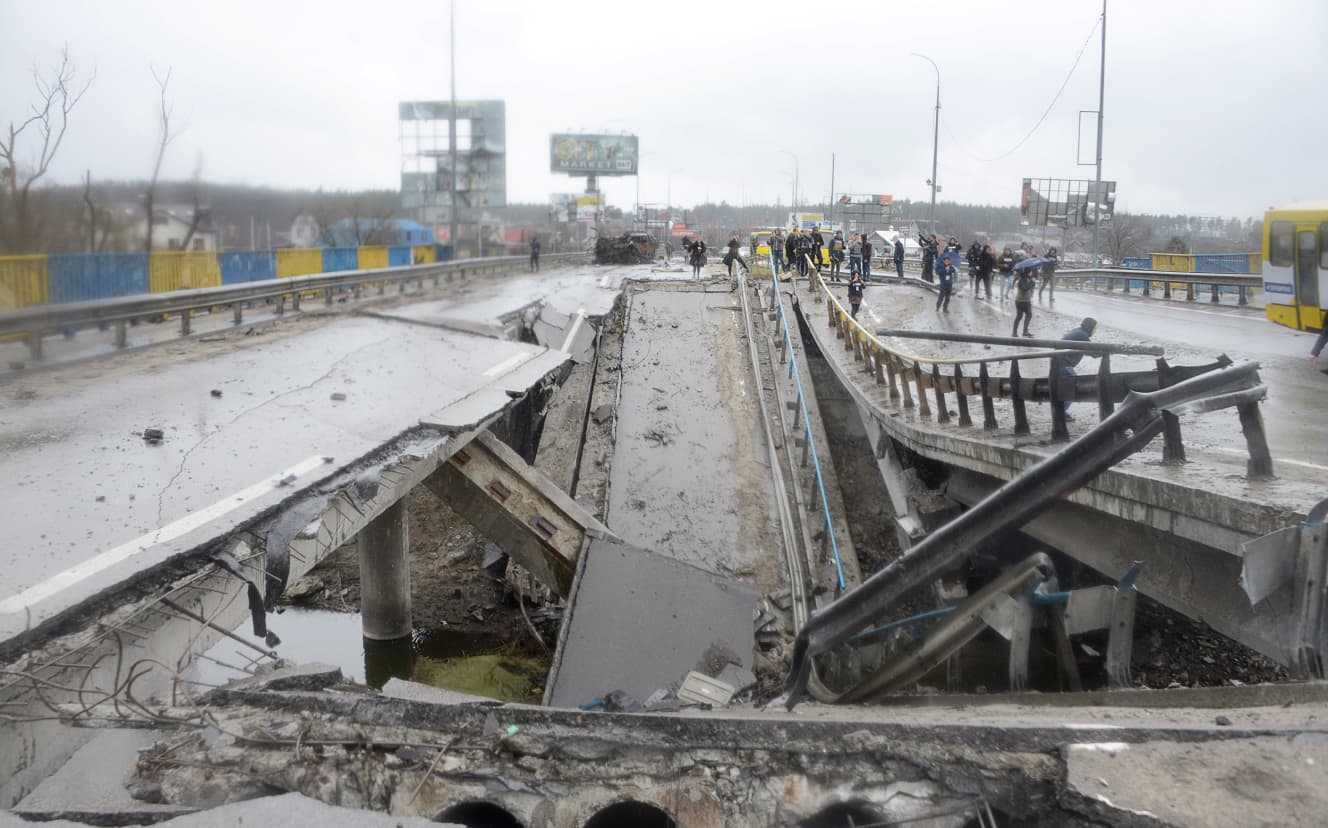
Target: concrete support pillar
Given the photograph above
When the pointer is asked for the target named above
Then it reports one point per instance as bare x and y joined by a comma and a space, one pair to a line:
385, 575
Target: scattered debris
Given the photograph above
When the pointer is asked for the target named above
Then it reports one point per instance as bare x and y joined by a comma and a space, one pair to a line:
153, 436
738, 677
101, 498
699, 688
338, 397
629, 248
304, 589
216, 392
1222, 721
602, 413
495, 559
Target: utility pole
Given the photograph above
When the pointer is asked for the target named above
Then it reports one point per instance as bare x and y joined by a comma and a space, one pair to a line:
833, 212
452, 133
1101, 99
935, 138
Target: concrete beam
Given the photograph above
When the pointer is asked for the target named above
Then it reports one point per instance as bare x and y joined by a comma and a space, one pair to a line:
518, 508
1194, 579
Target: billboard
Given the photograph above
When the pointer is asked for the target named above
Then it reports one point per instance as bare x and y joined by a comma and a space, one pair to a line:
593, 154
1067, 202
426, 157
588, 207
563, 206
878, 200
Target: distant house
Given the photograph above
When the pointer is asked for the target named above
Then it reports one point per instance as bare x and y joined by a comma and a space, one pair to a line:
364, 231
171, 228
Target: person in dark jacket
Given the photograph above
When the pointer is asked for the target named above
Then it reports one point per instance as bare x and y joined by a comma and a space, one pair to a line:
734, 256
534, 254
1048, 272
866, 257
818, 243
899, 256
1006, 266
928, 257
776, 252
1083, 333
945, 276
985, 264
974, 251
697, 256
1025, 282
805, 247
836, 254
855, 287
790, 250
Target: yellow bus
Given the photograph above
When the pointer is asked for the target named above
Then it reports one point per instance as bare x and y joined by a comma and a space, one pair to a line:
1295, 265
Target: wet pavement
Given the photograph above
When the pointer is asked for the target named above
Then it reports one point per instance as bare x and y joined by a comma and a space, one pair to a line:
243, 430
690, 476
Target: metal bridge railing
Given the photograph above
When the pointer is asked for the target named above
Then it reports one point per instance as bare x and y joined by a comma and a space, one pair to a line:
37, 321
912, 378
1109, 279
795, 375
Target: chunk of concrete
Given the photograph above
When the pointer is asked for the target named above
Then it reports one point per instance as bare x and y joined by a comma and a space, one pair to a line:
699, 688
312, 676
414, 691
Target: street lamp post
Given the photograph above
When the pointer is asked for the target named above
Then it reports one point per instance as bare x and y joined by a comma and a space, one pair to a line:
795, 178
935, 139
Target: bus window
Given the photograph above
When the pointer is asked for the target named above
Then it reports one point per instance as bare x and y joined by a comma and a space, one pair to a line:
1323, 246
1307, 275
1281, 244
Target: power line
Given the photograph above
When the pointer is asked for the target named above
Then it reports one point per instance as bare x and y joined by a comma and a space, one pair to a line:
1051, 105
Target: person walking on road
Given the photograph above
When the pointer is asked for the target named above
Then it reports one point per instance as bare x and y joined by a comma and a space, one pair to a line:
1006, 266
790, 249
1319, 345
855, 286
866, 257
776, 252
1083, 333
836, 254
534, 254
855, 255
986, 263
974, 251
818, 242
1048, 272
945, 276
928, 257
899, 256
735, 256
1025, 282
698, 257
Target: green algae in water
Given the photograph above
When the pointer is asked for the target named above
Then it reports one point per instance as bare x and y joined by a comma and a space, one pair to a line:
503, 677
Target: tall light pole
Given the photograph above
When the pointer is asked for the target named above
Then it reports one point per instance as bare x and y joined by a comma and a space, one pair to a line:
1101, 98
795, 178
452, 134
935, 138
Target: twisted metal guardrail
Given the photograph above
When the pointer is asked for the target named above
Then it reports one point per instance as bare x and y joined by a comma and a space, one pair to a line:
34, 322
912, 378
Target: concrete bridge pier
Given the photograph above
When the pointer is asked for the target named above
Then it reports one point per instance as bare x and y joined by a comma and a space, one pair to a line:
385, 575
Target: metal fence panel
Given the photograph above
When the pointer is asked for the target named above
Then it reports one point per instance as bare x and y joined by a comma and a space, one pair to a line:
398, 256
247, 266
78, 277
183, 270
340, 258
23, 282
299, 261
423, 254
372, 257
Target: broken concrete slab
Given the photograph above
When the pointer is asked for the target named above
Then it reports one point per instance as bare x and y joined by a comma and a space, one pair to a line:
415, 691
1236, 782
282, 676
640, 622
737, 677
286, 809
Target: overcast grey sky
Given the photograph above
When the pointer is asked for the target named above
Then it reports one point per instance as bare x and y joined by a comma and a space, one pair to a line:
1213, 107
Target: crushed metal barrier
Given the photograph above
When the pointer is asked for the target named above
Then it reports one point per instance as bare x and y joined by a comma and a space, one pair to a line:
1143, 415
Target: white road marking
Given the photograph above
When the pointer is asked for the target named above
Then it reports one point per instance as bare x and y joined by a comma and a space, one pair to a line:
507, 364
167, 533
1275, 459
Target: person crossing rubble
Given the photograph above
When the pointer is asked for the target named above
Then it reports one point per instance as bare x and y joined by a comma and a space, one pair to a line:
734, 255
697, 257
1083, 333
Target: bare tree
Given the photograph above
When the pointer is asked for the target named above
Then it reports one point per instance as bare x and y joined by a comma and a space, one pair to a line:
58, 92
1126, 236
164, 137
92, 212
199, 212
